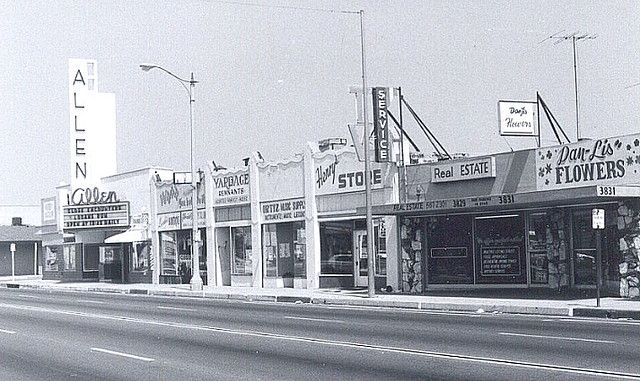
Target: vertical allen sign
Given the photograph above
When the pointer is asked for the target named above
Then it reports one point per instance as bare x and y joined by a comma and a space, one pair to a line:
380, 123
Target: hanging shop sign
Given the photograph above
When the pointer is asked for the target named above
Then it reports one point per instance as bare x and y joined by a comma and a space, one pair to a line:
613, 160
464, 170
517, 118
177, 197
380, 124
344, 173
232, 189
283, 211
94, 216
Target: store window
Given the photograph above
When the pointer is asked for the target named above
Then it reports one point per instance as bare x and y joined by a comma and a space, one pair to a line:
284, 249
242, 253
584, 249
140, 256
168, 253
381, 249
537, 247
51, 258
69, 255
336, 248
500, 250
449, 250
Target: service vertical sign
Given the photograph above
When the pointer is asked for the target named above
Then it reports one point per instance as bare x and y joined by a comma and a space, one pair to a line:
381, 124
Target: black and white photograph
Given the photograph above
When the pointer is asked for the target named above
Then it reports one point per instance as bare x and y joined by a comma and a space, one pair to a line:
319, 190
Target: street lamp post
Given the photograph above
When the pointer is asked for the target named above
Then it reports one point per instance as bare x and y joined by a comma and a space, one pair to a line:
196, 279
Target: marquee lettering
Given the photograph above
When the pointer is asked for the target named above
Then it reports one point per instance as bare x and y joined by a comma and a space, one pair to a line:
88, 196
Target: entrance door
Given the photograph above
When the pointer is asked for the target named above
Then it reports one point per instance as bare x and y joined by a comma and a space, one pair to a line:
360, 260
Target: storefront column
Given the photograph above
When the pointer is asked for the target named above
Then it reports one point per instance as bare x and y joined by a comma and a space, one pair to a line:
392, 262
155, 241
213, 268
312, 228
628, 221
256, 221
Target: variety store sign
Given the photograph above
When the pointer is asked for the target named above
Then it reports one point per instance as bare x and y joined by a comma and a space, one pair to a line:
340, 175
604, 161
177, 197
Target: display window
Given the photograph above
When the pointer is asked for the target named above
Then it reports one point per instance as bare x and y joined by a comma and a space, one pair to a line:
140, 256
241, 251
584, 249
168, 253
449, 250
500, 251
538, 231
51, 257
284, 249
381, 248
69, 255
336, 248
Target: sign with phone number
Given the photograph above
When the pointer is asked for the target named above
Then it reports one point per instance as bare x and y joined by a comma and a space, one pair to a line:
457, 203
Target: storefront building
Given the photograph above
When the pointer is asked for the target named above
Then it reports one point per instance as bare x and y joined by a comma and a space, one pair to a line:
101, 233
294, 223
230, 238
523, 219
174, 224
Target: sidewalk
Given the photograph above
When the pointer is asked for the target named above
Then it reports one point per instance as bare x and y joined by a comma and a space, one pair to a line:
486, 301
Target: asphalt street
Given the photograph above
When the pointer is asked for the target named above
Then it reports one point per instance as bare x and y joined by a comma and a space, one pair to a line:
90, 336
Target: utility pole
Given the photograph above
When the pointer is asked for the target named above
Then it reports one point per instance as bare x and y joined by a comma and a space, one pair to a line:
574, 37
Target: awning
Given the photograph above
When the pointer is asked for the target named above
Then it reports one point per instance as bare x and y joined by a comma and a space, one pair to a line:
131, 235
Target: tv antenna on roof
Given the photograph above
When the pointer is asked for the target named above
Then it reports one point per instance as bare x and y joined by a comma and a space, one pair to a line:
574, 37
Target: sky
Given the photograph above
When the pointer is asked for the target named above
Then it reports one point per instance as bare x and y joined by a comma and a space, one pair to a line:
274, 75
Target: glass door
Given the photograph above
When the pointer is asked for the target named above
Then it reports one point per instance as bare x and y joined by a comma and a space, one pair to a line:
360, 262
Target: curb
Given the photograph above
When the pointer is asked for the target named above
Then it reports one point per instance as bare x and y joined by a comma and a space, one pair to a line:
592, 312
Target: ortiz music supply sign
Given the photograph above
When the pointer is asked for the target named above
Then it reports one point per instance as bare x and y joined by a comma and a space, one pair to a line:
613, 160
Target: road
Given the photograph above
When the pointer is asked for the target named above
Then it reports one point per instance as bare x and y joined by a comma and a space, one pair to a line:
91, 336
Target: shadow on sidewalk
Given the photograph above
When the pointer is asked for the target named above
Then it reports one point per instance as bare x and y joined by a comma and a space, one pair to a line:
520, 293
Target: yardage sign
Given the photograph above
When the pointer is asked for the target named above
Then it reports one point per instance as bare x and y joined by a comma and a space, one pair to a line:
597, 218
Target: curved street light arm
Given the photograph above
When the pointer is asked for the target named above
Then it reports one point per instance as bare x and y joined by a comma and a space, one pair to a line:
182, 81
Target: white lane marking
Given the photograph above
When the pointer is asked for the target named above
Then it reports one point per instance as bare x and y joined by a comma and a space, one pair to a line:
90, 301
593, 321
556, 337
362, 346
122, 354
314, 319
29, 296
7, 331
177, 308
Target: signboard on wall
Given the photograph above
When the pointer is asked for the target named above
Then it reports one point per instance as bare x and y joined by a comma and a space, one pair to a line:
283, 211
92, 216
177, 197
517, 118
49, 209
231, 189
169, 221
92, 126
464, 170
381, 125
590, 162
344, 173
